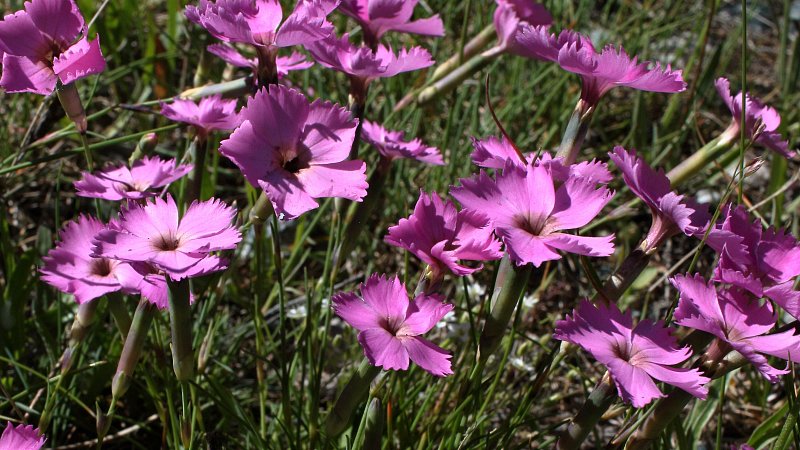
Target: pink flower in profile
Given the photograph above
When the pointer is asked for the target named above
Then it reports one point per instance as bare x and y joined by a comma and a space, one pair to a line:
391, 145
756, 114
21, 437
530, 214
210, 114
634, 356
672, 213
440, 235
152, 233
295, 151
510, 15
390, 325
600, 72
285, 64
45, 44
495, 153
736, 319
134, 183
377, 17
71, 268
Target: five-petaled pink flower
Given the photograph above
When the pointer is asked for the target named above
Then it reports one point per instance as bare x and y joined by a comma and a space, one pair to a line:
390, 325
42, 48
634, 356
736, 319
756, 114
391, 145
510, 15
296, 151
210, 114
377, 17
152, 233
71, 268
440, 235
134, 183
21, 437
530, 213
601, 71
285, 64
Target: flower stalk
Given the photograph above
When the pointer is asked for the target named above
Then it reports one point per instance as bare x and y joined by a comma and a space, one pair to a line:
577, 127
198, 151
355, 392
700, 159
598, 402
180, 319
454, 79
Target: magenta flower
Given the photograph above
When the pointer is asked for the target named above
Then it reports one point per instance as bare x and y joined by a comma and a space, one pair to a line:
634, 356
756, 114
440, 235
390, 325
600, 72
295, 151
21, 437
285, 64
736, 319
391, 145
529, 213
377, 17
119, 182
672, 213
71, 268
152, 233
510, 15
42, 47
211, 114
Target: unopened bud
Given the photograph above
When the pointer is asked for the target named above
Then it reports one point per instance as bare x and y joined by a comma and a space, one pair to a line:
145, 146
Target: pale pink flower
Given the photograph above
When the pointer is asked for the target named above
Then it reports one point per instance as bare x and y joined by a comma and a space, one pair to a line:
736, 319
441, 236
392, 145
377, 17
634, 356
210, 114
601, 71
21, 437
530, 214
510, 15
45, 44
152, 233
295, 151
390, 325
285, 64
756, 113
135, 183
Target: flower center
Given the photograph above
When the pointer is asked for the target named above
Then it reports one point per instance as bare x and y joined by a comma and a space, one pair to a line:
168, 243
391, 324
533, 225
100, 267
294, 165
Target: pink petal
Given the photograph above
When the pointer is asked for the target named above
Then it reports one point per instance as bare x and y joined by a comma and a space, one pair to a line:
277, 115
346, 179
429, 26
690, 380
288, 195
355, 312
634, 385
231, 56
387, 296
34, 45
581, 245
251, 153
525, 248
306, 24
430, 357
423, 313
79, 61
655, 343
329, 133
21, 437
208, 225
383, 350
577, 202
21, 74
61, 20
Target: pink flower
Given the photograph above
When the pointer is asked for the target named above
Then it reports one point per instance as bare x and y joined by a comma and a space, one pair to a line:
152, 233
600, 72
634, 356
285, 64
672, 213
756, 114
390, 325
211, 114
71, 268
42, 48
736, 319
494, 153
377, 17
296, 151
21, 437
119, 182
391, 145
510, 15
440, 235
529, 213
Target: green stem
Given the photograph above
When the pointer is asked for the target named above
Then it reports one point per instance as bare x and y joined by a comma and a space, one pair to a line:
198, 151
116, 304
354, 393
700, 159
180, 319
574, 135
233, 88
454, 79
601, 398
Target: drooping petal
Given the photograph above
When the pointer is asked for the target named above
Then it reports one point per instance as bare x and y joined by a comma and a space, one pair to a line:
383, 350
21, 74
427, 355
423, 313
634, 385
79, 61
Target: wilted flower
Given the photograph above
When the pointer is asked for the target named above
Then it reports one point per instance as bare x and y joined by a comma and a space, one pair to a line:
756, 114
42, 48
440, 235
152, 233
21, 437
210, 114
600, 72
391, 145
510, 15
377, 17
296, 151
134, 183
736, 319
390, 325
634, 356
530, 213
